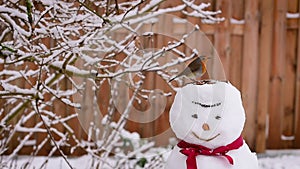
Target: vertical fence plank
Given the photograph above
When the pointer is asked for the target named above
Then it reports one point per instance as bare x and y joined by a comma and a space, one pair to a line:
265, 53
297, 97
277, 75
236, 46
249, 74
236, 60
289, 90
222, 34
290, 74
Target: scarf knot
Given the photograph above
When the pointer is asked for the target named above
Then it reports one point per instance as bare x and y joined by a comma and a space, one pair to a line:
192, 150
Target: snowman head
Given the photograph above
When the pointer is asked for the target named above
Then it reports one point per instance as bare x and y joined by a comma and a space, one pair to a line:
210, 114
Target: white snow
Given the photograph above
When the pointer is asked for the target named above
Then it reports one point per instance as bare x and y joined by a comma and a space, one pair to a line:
30, 143
26, 129
280, 159
292, 15
9, 88
150, 5
13, 13
281, 162
179, 20
272, 159
148, 34
70, 68
236, 21
283, 137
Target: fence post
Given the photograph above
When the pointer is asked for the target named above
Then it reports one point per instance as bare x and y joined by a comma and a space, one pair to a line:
249, 68
297, 96
222, 34
277, 75
265, 53
290, 76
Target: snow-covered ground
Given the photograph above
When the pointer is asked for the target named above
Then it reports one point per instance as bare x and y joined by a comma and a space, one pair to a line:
279, 159
280, 162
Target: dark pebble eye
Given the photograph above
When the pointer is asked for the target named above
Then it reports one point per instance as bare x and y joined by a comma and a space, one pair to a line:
195, 116
218, 117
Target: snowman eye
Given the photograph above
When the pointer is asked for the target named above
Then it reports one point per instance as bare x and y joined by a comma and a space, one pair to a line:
218, 117
195, 116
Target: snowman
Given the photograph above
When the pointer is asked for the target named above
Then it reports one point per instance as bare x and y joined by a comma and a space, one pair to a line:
209, 118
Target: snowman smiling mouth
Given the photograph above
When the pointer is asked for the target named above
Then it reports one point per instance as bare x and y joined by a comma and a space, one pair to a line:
209, 139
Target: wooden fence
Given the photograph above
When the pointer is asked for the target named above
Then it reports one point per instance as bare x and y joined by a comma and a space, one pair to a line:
258, 44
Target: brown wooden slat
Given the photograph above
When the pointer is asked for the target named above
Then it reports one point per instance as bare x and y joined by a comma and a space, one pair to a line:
222, 33
289, 86
292, 23
277, 75
235, 29
236, 46
238, 8
235, 66
289, 89
249, 71
297, 97
265, 53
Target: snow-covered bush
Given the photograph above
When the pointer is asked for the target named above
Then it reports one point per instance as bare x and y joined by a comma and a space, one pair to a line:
63, 53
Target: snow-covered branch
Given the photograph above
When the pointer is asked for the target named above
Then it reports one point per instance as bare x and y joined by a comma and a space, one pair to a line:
66, 52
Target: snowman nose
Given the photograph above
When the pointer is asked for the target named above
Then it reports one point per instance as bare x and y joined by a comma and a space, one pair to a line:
205, 127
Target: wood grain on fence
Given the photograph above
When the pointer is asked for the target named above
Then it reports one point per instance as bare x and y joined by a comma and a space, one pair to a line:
297, 92
265, 50
277, 75
250, 69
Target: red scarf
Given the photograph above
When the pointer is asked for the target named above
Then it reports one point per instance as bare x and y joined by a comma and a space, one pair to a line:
192, 150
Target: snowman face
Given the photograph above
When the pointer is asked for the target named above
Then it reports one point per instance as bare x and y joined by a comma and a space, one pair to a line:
211, 114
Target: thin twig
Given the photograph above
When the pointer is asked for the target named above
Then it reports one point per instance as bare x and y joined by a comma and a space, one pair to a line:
132, 8
117, 7
105, 20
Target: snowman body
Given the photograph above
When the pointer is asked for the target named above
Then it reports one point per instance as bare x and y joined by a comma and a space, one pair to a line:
210, 115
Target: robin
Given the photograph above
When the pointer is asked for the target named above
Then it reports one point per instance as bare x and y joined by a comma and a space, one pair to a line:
196, 68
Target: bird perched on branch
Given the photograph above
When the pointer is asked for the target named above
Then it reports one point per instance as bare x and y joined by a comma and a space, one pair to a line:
196, 68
